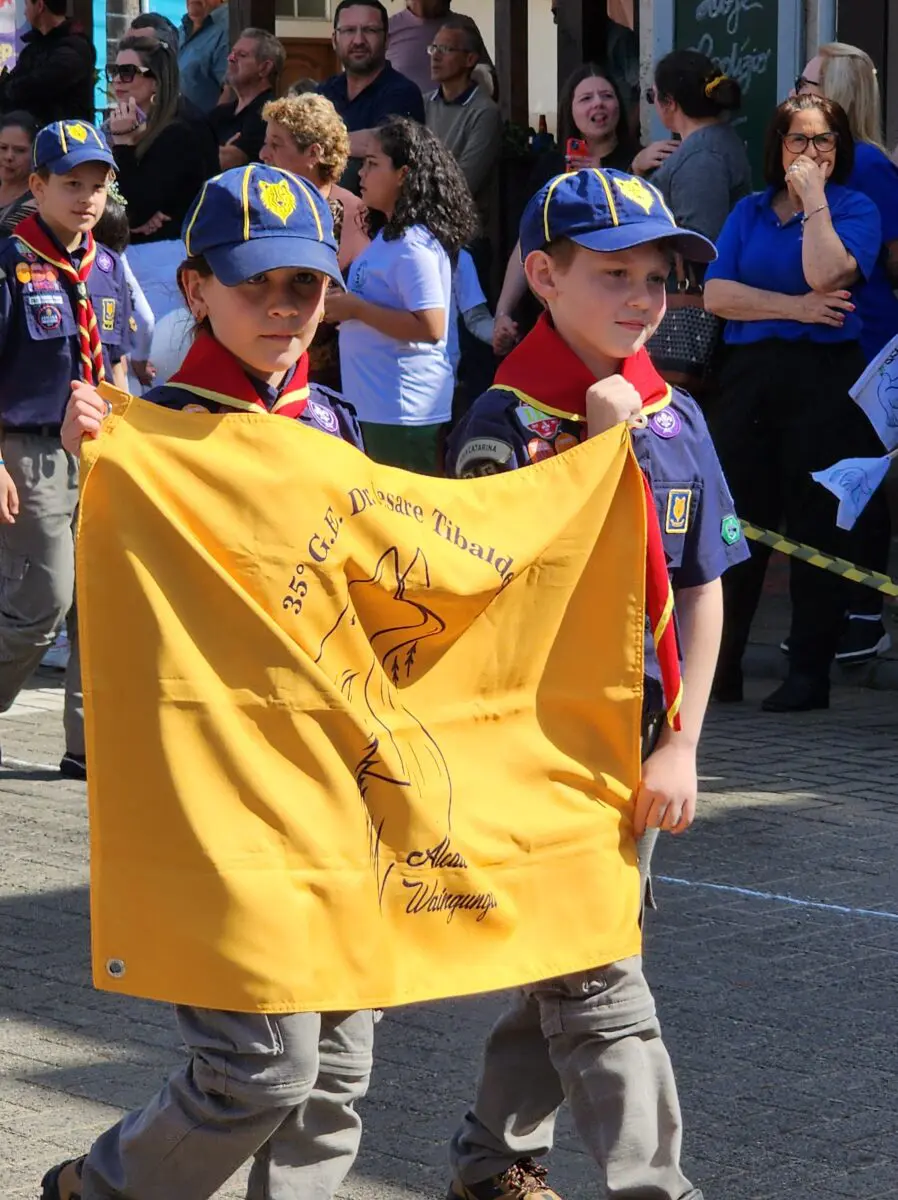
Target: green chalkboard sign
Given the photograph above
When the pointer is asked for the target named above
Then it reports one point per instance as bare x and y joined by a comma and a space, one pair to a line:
742, 36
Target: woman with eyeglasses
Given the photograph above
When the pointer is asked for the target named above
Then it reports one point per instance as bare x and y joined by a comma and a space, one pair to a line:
847, 75
161, 159
790, 261
17, 133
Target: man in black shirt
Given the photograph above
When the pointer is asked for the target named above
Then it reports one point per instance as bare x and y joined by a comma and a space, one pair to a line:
54, 76
254, 64
369, 89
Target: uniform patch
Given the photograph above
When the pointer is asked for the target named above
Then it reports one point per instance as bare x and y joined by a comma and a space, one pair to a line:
37, 298
201, 408
679, 502
537, 450
49, 316
104, 261
108, 317
323, 416
666, 423
132, 324
482, 456
565, 441
731, 529
25, 252
44, 277
537, 422
23, 272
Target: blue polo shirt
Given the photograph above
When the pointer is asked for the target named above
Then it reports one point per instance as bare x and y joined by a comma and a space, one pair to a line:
40, 352
203, 58
389, 95
876, 176
702, 538
757, 249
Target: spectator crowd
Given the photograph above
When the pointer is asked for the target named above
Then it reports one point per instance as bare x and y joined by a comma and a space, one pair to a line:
725, 322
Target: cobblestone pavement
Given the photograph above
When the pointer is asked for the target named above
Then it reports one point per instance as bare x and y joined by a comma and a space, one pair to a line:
779, 1016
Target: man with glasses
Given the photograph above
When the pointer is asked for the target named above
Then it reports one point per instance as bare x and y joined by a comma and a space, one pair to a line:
203, 54
369, 89
413, 30
459, 112
54, 76
254, 66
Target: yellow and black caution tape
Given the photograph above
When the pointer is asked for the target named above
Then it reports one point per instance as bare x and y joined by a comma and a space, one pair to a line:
838, 566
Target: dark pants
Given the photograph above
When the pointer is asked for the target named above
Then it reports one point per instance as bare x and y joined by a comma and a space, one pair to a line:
783, 412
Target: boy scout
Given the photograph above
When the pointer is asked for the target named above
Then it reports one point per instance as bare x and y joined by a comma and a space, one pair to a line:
64, 316
597, 251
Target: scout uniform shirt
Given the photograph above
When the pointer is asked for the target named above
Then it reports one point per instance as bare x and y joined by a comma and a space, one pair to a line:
212, 380
39, 344
509, 427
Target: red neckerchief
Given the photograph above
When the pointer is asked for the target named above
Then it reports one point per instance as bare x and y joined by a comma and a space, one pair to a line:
545, 368
545, 373
34, 235
213, 373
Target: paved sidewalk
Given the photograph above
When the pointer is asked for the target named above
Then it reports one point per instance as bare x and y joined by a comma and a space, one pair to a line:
779, 1016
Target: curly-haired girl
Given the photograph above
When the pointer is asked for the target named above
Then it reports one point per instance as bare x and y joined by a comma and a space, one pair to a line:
393, 358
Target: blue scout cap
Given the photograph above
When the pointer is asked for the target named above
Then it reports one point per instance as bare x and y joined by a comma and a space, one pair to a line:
606, 210
258, 218
64, 145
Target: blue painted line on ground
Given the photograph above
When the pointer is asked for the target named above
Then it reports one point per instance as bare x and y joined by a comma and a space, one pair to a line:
843, 909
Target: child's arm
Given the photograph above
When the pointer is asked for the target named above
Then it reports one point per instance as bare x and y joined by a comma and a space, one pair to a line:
669, 787
479, 323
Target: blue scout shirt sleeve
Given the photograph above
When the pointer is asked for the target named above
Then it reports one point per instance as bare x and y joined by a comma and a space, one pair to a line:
856, 221
701, 533
487, 440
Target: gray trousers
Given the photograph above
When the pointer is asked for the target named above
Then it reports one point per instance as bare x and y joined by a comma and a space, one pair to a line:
594, 1040
37, 571
278, 1089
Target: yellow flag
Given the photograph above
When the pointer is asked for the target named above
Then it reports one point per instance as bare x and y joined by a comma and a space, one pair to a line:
356, 737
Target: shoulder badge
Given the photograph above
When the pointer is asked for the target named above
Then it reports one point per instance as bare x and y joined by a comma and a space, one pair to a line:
537, 422
667, 423
731, 529
482, 456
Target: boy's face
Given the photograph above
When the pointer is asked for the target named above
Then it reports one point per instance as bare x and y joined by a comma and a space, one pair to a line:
72, 204
607, 303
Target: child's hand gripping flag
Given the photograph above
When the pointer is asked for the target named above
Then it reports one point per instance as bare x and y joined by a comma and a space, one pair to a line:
853, 481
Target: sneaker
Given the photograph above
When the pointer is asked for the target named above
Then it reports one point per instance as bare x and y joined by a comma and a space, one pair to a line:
57, 657
525, 1178
864, 639
73, 766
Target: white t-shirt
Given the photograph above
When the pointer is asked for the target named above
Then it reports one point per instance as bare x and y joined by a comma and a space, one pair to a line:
392, 382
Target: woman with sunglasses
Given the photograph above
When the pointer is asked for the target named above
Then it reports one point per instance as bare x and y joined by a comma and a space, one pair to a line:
160, 161
789, 261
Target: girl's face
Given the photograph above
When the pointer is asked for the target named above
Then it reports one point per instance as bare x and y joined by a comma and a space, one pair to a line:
594, 107
15, 155
267, 322
281, 150
381, 182
806, 124
142, 87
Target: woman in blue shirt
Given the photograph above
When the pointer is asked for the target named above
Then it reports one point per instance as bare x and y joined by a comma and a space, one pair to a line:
788, 259
394, 361
847, 75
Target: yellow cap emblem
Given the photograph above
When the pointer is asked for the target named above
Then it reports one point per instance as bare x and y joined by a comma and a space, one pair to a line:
636, 192
278, 198
78, 132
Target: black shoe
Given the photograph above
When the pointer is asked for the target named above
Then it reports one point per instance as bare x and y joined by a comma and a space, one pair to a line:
799, 693
73, 766
862, 641
63, 1182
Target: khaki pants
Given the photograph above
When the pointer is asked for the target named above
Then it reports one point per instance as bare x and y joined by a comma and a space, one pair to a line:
279, 1089
37, 571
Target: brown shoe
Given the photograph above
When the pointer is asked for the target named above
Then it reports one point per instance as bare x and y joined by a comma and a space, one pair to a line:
63, 1182
525, 1178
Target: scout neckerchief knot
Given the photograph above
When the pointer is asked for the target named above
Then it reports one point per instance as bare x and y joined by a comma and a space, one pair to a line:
544, 372
33, 234
211, 372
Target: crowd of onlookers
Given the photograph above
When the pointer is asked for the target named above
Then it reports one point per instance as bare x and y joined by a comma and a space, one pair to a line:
405, 143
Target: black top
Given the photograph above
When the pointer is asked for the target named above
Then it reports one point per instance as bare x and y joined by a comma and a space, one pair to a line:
54, 76
247, 125
167, 178
391, 94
